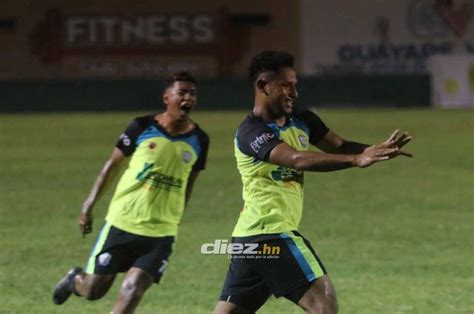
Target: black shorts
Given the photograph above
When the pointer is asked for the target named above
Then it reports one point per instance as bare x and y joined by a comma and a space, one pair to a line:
117, 251
282, 264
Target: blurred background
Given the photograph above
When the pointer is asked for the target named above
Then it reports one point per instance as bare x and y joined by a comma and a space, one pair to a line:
90, 55
396, 237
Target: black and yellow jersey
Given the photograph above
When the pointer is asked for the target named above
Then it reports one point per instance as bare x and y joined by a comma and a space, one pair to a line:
150, 197
273, 195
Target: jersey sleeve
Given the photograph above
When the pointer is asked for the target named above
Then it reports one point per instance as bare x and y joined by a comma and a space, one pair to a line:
317, 128
128, 139
257, 140
200, 164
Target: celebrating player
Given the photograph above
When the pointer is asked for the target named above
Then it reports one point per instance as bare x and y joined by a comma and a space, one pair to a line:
271, 151
168, 150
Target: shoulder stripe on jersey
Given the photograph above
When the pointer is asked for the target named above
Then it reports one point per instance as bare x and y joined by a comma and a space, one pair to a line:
237, 141
301, 125
276, 128
193, 141
293, 123
152, 132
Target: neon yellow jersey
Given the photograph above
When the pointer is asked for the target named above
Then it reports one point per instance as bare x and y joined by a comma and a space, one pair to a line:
150, 197
273, 195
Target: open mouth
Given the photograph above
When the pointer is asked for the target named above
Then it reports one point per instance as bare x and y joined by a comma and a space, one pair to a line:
186, 108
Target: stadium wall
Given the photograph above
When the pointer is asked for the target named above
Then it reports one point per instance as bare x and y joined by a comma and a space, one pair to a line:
222, 93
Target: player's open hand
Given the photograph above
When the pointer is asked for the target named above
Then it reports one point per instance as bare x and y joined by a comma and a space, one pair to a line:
394, 140
375, 153
85, 223
388, 149
397, 140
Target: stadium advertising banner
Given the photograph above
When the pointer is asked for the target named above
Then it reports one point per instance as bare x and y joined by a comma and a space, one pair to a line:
452, 81
81, 39
105, 44
376, 36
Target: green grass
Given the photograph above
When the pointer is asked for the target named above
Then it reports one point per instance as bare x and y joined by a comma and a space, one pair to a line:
396, 238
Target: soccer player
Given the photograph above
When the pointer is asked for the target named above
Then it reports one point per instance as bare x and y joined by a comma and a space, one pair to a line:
271, 151
167, 150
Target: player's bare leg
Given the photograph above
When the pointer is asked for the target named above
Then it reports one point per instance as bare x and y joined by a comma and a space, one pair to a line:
134, 286
223, 307
320, 298
91, 286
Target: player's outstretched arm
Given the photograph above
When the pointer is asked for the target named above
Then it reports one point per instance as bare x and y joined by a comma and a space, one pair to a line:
287, 156
333, 143
106, 175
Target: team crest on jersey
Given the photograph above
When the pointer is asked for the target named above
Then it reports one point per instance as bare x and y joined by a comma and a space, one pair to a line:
187, 156
104, 259
303, 140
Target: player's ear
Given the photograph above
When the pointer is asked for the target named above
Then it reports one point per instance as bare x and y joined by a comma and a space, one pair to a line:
164, 97
261, 84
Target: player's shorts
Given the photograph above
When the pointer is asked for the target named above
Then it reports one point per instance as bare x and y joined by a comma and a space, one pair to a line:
117, 251
283, 264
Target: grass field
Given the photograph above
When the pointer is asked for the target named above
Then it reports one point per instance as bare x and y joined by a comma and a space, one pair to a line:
396, 238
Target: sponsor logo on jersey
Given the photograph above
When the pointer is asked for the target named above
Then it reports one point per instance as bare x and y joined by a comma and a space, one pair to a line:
260, 140
187, 156
155, 179
104, 259
288, 175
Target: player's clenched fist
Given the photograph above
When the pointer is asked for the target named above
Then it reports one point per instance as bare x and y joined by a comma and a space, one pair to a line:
85, 223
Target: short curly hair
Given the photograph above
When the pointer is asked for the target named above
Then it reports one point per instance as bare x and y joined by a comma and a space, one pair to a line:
179, 76
269, 61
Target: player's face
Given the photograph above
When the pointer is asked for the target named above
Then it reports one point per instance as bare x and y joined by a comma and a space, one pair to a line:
282, 92
180, 98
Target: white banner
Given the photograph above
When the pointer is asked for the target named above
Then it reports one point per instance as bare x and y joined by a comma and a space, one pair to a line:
452, 81
383, 36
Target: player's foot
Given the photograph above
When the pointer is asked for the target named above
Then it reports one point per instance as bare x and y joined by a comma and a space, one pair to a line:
65, 287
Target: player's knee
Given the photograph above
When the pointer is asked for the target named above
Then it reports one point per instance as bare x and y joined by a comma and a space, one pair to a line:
223, 311
331, 304
129, 290
228, 308
325, 302
132, 289
329, 301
